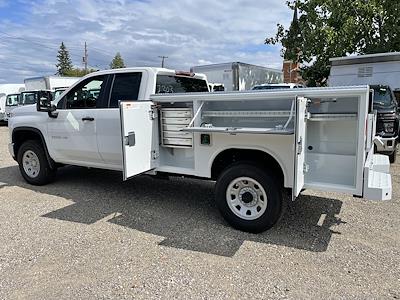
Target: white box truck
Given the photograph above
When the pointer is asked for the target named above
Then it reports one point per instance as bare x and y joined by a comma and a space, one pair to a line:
7, 89
256, 145
238, 76
49, 82
382, 72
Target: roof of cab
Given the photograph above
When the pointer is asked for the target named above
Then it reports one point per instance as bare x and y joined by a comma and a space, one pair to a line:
153, 70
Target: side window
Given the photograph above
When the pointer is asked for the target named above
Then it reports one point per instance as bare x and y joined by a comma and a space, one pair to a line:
86, 94
125, 87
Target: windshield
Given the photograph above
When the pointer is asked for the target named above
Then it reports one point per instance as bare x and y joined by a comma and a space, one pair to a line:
179, 84
382, 96
27, 98
12, 100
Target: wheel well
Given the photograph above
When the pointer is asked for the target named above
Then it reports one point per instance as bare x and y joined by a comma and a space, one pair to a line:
19, 136
261, 158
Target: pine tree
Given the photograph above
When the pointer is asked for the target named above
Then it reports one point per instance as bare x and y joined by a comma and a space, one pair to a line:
117, 62
64, 64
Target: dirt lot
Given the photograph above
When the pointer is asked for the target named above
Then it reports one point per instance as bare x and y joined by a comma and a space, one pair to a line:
90, 235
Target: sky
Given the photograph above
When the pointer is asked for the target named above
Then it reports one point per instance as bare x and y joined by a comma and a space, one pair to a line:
189, 32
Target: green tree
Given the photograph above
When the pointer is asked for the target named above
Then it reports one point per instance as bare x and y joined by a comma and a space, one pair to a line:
64, 63
117, 62
77, 72
331, 28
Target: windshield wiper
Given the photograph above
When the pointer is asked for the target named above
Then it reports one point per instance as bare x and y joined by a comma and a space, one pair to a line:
380, 103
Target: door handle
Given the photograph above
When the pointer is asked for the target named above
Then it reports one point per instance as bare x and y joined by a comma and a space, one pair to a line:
87, 119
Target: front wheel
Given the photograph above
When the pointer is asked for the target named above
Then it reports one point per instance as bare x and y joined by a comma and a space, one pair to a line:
249, 198
33, 163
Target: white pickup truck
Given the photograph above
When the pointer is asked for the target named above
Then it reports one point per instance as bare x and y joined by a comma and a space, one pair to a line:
254, 144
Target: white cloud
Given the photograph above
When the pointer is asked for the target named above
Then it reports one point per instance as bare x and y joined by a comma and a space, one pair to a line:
188, 32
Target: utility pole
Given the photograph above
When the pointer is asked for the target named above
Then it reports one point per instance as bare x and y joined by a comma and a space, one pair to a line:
85, 59
163, 60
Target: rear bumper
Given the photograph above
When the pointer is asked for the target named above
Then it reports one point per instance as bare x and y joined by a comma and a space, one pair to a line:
388, 146
377, 180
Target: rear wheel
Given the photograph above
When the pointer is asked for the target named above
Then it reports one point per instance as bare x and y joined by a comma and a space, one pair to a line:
33, 163
249, 198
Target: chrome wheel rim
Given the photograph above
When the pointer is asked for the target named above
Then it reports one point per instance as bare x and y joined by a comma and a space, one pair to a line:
246, 198
31, 164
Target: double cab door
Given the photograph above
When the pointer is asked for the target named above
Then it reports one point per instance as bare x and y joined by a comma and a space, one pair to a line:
87, 129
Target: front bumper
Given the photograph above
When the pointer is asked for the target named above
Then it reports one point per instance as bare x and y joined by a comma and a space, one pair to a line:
11, 149
388, 145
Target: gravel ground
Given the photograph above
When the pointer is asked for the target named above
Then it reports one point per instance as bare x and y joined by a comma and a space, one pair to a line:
90, 235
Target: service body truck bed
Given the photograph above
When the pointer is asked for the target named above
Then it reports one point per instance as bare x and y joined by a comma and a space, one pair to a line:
253, 144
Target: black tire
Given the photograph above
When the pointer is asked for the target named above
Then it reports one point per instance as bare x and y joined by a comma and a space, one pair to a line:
45, 174
392, 157
275, 205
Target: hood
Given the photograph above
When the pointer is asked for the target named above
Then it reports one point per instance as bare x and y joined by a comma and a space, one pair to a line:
392, 109
24, 110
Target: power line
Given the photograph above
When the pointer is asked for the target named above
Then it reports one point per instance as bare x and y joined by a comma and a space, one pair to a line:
41, 44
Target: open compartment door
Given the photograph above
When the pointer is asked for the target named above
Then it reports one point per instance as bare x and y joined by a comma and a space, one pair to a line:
300, 142
139, 132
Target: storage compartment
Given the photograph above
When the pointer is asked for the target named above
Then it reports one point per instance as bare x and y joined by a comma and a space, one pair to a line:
173, 120
331, 143
249, 116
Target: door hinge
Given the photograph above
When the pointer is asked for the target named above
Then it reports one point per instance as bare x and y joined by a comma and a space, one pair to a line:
155, 154
305, 168
153, 114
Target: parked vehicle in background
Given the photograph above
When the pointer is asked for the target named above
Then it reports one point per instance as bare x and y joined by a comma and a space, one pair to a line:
6, 89
28, 97
397, 95
12, 101
216, 87
388, 120
55, 84
272, 86
254, 145
49, 83
238, 76
57, 92
382, 72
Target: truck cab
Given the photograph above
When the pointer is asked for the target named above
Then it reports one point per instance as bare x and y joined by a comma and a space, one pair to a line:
84, 127
387, 126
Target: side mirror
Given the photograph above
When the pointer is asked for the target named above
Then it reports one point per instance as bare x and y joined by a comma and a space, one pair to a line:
43, 102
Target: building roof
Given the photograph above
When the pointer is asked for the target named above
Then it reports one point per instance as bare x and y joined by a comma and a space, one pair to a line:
364, 59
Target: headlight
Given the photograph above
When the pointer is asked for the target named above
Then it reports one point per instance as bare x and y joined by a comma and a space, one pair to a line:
389, 127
